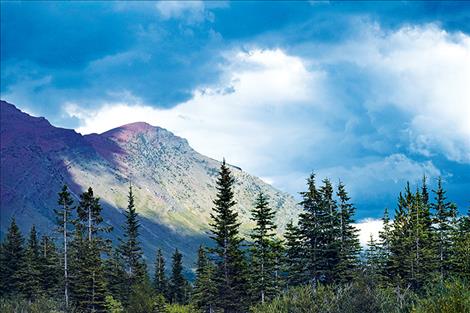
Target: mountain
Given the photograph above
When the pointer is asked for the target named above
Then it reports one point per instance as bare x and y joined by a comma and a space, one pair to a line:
173, 185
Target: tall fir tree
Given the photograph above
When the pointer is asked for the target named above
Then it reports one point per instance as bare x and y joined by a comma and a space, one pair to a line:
160, 281
445, 214
12, 261
230, 277
115, 275
130, 247
64, 222
49, 267
264, 252
178, 284
30, 271
350, 246
460, 257
204, 289
90, 291
294, 256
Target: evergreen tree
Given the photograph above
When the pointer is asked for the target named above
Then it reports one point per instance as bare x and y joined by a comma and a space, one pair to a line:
263, 251
294, 259
177, 281
49, 267
230, 278
130, 246
461, 248
445, 214
331, 231
115, 276
89, 286
29, 272
373, 259
64, 221
204, 288
349, 238
160, 281
12, 261
384, 247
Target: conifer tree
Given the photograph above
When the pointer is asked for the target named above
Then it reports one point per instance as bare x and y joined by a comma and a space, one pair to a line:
294, 260
130, 247
177, 281
445, 214
115, 276
263, 251
204, 288
160, 281
461, 248
373, 259
12, 261
30, 272
331, 231
90, 288
64, 221
49, 266
349, 239
230, 277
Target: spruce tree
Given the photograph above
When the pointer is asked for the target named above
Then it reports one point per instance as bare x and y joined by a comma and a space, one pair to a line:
294, 256
12, 261
115, 275
461, 248
30, 271
230, 277
204, 289
89, 286
445, 214
130, 247
49, 267
349, 238
263, 250
160, 281
64, 221
177, 281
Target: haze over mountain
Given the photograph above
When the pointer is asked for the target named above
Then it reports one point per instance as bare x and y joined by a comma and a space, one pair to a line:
174, 185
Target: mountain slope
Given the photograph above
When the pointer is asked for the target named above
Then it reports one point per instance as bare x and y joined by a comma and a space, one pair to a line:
173, 184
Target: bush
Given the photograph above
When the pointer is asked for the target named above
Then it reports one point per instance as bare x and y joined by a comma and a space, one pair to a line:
448, 297
19, 305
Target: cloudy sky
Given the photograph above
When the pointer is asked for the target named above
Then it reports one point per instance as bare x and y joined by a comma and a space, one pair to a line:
374, 94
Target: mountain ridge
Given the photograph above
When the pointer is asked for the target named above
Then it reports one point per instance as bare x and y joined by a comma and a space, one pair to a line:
174, 185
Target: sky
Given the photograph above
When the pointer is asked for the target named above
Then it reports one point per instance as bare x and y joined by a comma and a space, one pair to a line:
371, 93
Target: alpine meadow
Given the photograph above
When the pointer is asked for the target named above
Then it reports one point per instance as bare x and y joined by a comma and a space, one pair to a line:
235, 157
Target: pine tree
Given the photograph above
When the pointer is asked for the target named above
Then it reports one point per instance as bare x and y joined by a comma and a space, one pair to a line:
12, 261
294, 256
177, 281
445, 214
115, 275
263, 251
385, 236
89, 282
130, 247
373, 259
204, 288
460, 256
349, 238
160, 281
331, 230
64, 221
49, 267
30, 271
230, 275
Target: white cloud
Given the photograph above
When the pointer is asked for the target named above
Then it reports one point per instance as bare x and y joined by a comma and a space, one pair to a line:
250, 117
192, 11
425, 73
278, 115
368, 227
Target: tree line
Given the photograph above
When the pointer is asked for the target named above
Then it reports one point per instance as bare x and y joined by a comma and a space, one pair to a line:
426, 241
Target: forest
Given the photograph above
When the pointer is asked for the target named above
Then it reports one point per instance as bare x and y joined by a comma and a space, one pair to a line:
419, 263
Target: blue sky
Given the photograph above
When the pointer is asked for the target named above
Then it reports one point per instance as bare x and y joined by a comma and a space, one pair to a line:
373, 93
